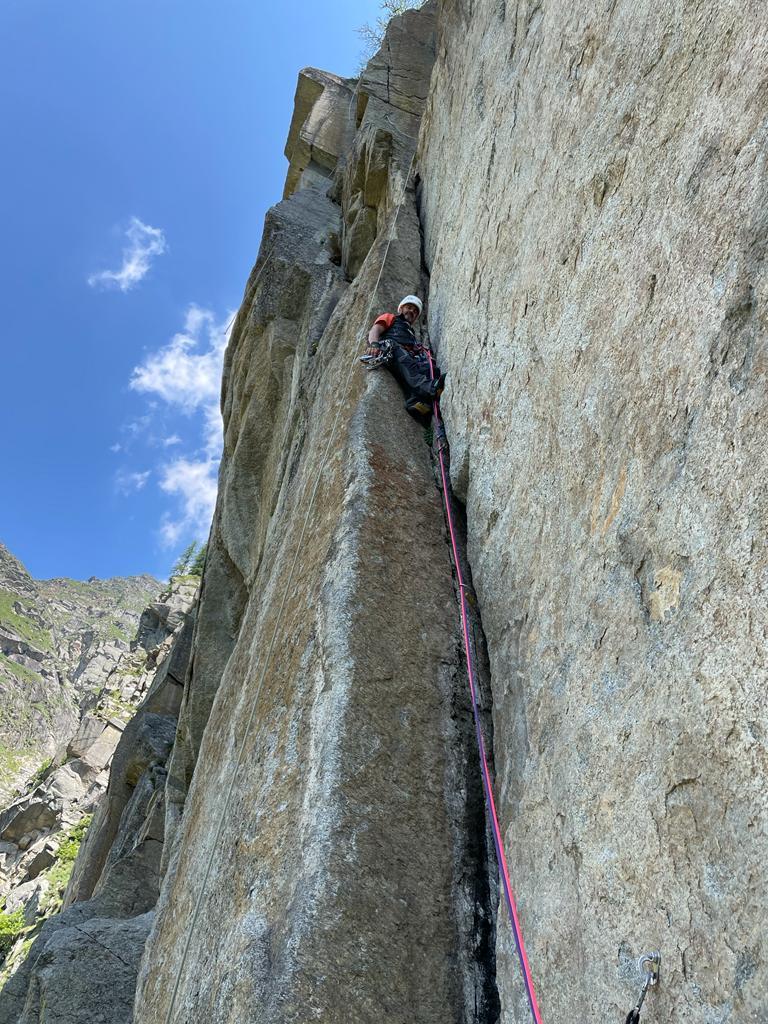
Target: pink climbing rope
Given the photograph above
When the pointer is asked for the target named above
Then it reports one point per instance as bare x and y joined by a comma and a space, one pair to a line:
495, 827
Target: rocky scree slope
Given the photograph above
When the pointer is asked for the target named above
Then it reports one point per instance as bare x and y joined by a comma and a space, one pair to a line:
59, 640
105, 784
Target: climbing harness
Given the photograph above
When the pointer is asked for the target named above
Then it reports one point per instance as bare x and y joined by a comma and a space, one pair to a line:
651, 964
279, 618
442, 446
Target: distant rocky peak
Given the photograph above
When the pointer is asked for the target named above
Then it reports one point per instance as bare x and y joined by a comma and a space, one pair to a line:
59, 640
13, 574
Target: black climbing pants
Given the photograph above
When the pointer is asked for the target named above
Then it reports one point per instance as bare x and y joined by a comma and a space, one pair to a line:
412, 371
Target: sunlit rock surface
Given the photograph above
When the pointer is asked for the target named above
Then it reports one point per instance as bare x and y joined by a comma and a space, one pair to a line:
594, 207
324, 826
585, 214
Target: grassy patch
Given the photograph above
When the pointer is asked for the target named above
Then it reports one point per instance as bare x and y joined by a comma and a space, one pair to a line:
79, 585
10, 760
27, 628
58, 874
114, 632
44, 710
114, 705
22, 673
11, 926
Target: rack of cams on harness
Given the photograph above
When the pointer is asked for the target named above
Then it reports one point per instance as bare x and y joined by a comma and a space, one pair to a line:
649, 963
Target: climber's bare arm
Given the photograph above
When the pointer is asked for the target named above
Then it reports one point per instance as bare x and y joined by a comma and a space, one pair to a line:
373, 338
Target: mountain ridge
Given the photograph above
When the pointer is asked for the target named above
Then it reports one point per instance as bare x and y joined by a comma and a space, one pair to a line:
51, 630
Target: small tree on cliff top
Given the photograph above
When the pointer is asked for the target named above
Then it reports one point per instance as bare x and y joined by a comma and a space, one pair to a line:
184, 561
191, 561
373, 35
198, 562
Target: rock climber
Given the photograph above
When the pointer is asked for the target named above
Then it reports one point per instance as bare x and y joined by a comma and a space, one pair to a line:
392, 341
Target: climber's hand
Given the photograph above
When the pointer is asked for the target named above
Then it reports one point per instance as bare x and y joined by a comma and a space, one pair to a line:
373, 350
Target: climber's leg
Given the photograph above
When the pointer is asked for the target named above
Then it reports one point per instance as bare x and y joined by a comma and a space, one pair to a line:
413, 374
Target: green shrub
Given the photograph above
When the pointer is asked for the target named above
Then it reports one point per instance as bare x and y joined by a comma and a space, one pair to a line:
73, 838
11, 926
58, 874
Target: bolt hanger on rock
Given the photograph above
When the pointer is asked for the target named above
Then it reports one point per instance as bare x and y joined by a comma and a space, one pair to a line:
651, 964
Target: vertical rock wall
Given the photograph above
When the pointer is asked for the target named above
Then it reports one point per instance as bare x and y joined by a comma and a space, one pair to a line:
591, 215
594, 207
321, 784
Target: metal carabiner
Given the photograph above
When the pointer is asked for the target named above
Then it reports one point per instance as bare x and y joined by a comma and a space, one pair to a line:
650, 963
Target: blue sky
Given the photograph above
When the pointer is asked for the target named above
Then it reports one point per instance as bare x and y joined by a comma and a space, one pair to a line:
143, 144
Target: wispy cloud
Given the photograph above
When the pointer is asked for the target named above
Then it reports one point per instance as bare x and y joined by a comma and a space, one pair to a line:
194, 483
186, 375
180, 373
127, 482
144, 243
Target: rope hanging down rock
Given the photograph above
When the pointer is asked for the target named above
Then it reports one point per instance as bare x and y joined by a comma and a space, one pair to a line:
649, 962
278, 619
486, 773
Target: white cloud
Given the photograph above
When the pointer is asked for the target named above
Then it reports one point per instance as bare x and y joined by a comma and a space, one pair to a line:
194, 482
185, 374
181, 374
144, 243
170, 532
127, 482
213, 430
116, 447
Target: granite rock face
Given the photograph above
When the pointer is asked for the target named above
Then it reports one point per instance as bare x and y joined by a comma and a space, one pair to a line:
591, 192
323, 829
594, 207
586, 213
100, 988
321, 129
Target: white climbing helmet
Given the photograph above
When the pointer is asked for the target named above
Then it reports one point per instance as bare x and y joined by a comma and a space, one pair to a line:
414, 301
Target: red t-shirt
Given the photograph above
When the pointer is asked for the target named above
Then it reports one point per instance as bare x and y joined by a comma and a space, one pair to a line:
387, 319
